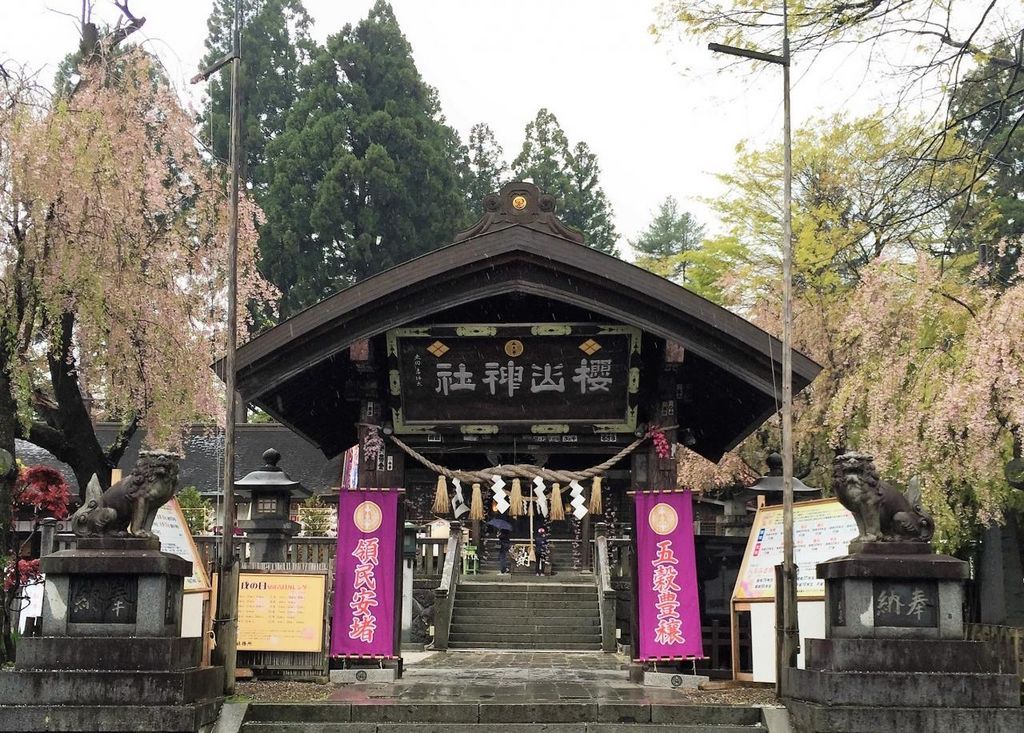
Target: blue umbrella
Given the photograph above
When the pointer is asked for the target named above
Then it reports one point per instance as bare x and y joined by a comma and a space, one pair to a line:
499, 523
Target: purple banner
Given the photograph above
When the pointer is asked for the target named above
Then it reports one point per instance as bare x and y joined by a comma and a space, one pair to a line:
667, 576
364, 574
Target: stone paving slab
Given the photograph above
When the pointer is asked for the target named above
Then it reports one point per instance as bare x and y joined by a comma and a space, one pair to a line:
522, 679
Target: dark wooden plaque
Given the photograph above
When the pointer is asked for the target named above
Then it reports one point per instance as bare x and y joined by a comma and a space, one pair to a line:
535, 378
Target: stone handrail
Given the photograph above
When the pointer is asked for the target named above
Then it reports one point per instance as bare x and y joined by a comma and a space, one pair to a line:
605, 594
444, 594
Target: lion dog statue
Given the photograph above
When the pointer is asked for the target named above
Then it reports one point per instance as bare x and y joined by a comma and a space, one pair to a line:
129, 507
882, 513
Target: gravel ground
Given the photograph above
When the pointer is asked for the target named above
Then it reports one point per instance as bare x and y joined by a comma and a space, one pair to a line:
282, 691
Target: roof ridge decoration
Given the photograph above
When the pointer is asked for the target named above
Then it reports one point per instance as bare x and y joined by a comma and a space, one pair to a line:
520, 203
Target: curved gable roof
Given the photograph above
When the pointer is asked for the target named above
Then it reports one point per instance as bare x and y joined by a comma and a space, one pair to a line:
297, 370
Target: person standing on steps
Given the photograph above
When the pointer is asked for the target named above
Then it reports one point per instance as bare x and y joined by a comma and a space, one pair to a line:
504, 545
540, 541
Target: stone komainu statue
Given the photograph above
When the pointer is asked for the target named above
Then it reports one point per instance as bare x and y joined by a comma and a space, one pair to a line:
129, 506
883, 514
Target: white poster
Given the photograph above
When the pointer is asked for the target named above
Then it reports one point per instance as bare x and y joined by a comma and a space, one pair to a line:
176, 539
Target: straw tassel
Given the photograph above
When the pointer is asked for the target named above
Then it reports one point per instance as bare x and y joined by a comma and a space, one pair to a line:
441, 503
595, 496
476, 505
517, 499
557, 510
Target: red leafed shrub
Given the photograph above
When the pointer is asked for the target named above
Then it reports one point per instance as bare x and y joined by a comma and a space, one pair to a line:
43, 491
27, 571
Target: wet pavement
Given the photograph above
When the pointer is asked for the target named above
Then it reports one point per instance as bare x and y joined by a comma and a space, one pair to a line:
531, 677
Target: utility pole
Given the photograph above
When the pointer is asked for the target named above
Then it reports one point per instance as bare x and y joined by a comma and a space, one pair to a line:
791, 630
226, 621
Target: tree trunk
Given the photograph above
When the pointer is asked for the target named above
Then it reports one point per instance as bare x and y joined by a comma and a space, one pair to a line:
67, 430
8, 427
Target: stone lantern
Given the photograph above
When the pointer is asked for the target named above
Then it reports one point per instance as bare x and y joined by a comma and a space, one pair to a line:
770, 485
271, 492
737, 520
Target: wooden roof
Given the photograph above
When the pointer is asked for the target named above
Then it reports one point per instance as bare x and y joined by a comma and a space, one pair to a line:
300, 371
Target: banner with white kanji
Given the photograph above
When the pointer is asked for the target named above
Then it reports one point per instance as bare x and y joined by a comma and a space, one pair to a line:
364, 580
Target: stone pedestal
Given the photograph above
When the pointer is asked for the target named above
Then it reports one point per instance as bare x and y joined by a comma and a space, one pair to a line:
113, 587
908, 594
111, 657
894, 656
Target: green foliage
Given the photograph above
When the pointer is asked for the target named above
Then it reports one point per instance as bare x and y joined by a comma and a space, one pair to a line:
921, 366
488, 170
315, 517
366, 173
571, 174
669, 241
275, 46
989, 103
197, 510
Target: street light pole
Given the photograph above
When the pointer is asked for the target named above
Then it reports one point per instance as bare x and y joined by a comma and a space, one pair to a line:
791, 629
226, 622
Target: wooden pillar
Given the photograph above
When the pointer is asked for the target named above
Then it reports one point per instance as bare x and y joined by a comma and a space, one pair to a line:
586, 551
381, 463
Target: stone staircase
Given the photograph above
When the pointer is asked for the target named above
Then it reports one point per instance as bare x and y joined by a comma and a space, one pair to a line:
484, 717
521, 615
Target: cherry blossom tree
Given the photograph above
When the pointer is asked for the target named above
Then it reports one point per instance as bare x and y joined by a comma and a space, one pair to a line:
113, 237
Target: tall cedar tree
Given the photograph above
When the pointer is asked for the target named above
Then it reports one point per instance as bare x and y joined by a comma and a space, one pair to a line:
572, 175
487, 167
275, 46
668, 240
990, 103
366, 174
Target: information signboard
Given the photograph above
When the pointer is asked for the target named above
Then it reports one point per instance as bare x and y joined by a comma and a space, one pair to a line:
280, 612
175, 538
822, 530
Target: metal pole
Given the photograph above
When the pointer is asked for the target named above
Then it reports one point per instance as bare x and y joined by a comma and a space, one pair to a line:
792, 634
227, 589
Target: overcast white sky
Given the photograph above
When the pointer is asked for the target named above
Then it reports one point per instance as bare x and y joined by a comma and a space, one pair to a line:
661, 117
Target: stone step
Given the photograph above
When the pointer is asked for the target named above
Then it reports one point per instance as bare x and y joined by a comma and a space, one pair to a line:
519, 646
553, 639
526, 626
65, 687
568, 727
517, 602
85, 652
133, 718
855, 719
505, 714
501, 614
506, 587
909, 655
906, 689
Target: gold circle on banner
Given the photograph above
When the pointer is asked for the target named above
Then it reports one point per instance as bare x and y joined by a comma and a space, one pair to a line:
663, 519
514, 347
367, 517
518, 203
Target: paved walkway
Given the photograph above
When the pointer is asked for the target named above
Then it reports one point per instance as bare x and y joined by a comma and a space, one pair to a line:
529, 677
